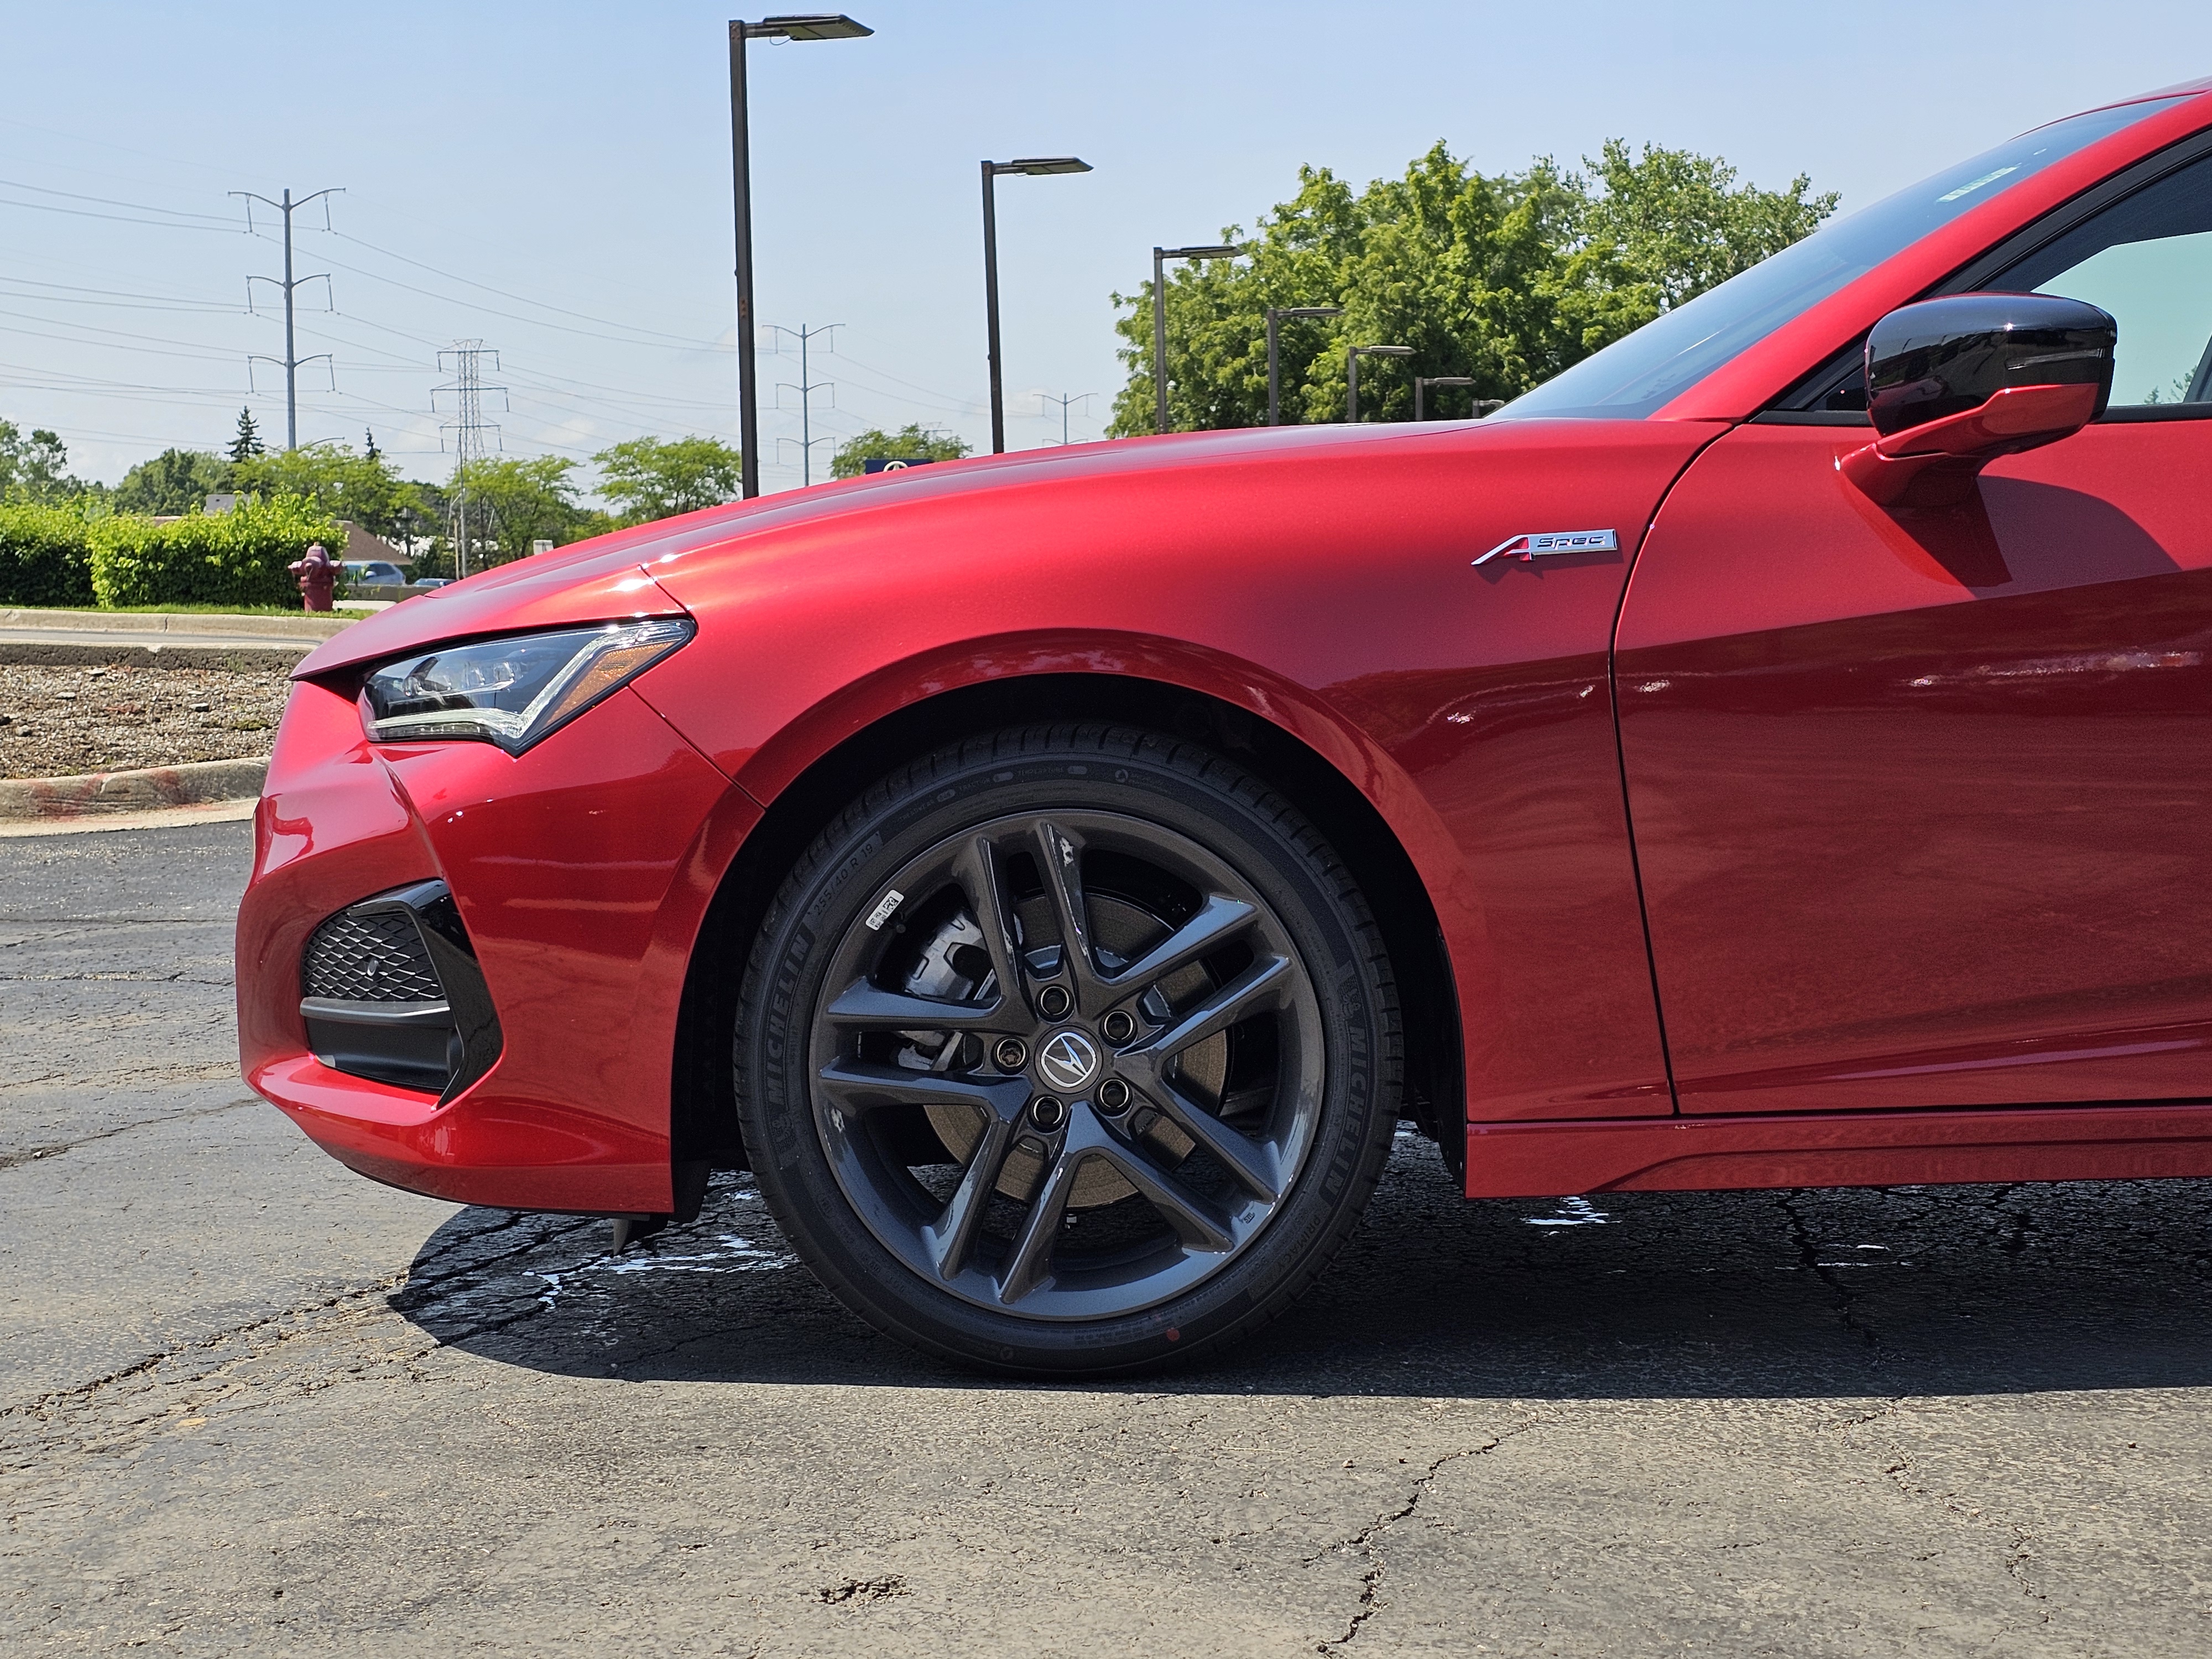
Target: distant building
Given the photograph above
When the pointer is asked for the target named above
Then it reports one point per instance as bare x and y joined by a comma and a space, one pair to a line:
361, 545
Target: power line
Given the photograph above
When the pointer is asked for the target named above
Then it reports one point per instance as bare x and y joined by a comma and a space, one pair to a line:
806, 389
118, 218
524, 299
1063, 400
74, 293
214, 220
291, 360
666, 344
468, 427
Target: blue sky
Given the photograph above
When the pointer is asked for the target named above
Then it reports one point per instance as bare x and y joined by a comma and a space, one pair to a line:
554, 179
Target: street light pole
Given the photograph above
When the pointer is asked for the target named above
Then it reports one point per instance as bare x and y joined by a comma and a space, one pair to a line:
808, 26
1035, 164
991, 306
1160, 257
1422, 383
1351, 373
1274, 381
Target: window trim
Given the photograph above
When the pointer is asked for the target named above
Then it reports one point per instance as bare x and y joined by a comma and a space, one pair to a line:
1791, 408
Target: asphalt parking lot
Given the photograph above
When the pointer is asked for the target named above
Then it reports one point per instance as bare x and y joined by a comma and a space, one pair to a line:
247, 1399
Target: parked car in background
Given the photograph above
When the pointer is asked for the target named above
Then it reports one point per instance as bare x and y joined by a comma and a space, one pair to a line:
374, 573
431, 581
1776, 752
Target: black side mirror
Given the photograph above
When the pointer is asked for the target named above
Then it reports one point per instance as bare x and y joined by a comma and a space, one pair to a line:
1951, 384
1944, 357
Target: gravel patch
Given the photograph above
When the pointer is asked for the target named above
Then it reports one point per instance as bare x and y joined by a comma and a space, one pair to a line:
58, 722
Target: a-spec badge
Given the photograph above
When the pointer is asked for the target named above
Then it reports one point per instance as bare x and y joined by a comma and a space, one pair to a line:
1535, 544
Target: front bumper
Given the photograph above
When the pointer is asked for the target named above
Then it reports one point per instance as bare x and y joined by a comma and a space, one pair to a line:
582, 870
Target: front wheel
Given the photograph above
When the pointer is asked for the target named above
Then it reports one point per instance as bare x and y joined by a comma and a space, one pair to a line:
1067, 1050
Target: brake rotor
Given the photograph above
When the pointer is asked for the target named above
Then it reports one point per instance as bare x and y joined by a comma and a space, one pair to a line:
1118, 928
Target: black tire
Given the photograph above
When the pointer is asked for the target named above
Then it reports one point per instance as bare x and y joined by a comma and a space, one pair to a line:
1226, 1011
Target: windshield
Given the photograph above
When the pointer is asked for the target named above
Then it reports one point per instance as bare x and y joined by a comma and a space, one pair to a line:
1639, 374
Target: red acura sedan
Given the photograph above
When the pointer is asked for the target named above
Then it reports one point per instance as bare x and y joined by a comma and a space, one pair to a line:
1773, 753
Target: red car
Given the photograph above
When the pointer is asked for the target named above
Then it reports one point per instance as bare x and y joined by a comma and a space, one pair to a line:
1773, 753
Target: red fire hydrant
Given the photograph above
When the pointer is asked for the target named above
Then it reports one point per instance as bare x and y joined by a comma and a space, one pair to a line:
318, 577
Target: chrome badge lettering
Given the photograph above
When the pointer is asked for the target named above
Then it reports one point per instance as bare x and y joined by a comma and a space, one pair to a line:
1532, 545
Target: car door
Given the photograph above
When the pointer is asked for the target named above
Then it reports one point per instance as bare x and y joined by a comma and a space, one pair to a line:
1922, 801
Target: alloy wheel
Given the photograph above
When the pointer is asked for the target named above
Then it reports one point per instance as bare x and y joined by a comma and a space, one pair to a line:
1067, 1065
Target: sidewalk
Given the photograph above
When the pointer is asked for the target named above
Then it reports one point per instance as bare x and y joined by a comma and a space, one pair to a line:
179, 639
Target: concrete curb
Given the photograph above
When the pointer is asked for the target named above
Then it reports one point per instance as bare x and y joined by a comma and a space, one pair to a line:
303, 627
167, 817
239, 656
105, 794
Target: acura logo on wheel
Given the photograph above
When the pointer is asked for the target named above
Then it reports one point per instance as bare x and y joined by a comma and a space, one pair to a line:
1068, 1061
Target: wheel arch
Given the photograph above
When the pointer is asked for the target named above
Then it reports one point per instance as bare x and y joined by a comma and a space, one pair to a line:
802, 791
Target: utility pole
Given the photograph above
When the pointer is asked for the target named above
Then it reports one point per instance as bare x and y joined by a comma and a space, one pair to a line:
1063, 400
468, 427
805, 391
291, 360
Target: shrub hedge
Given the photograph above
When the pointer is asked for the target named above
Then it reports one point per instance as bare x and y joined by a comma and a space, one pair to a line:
45, 557
54, 556
237, 557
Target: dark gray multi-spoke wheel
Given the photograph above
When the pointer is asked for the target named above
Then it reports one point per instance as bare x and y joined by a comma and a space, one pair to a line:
1068, 1049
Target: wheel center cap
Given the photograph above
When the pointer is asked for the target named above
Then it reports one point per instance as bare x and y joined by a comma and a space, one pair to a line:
1067, 1061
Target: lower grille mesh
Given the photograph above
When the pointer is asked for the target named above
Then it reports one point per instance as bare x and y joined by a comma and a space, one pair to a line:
376, 957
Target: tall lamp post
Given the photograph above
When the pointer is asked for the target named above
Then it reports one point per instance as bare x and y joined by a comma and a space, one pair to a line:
1035, 165
1275, 313
1160, 257
1351, 373
807, 26
1423, 382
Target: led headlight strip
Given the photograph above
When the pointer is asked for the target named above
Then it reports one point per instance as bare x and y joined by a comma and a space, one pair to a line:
512, 691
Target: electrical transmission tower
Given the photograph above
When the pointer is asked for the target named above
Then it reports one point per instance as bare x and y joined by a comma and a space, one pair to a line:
1064, 401
469, 427
291, 360
806, 389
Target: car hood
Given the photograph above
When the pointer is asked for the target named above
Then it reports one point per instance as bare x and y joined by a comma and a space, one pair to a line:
612, 576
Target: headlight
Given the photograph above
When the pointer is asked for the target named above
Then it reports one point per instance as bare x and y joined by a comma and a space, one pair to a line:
512, 691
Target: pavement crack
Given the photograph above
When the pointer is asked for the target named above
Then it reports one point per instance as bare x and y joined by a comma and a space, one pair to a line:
47, 1404
105, 978
1371, 1582
1808, 1256
55, 1149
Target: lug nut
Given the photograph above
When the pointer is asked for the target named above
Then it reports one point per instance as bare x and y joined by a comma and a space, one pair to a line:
1118, 1027
1012, 1054
1054, 1002
1048, 1112
1114, 1097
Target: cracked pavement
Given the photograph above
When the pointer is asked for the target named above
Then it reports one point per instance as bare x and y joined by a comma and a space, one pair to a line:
248, 1400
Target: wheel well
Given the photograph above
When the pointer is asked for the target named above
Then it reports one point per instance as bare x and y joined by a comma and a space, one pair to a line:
703, 1129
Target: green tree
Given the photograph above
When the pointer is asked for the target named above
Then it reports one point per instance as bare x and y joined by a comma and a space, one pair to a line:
246, 442
1507, 279
650, 479
911, 440
365, 489
31, 469
174, 481
513, 502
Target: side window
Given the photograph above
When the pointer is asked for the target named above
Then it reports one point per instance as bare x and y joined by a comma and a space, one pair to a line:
2148, 260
